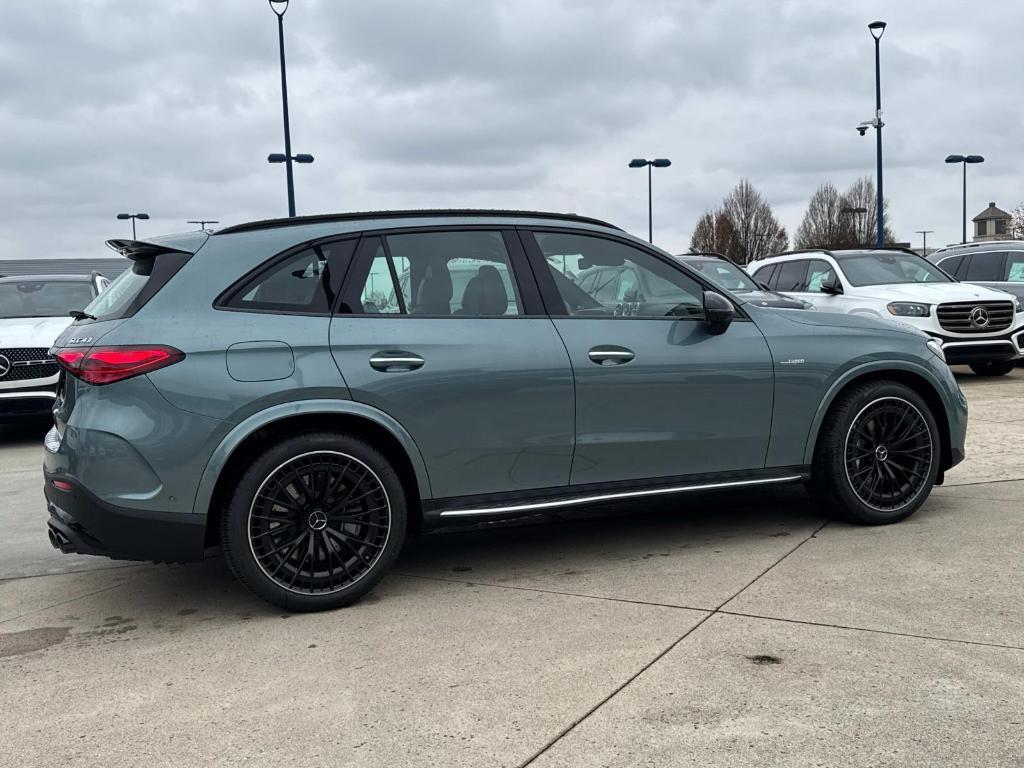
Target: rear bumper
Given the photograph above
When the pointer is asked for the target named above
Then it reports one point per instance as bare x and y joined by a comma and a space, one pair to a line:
961, 351
80, 522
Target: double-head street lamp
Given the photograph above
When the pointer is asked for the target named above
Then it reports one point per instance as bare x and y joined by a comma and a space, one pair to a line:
202, 222
924, 240
640, 162
133, 217
877, 29
965, 159
279, 7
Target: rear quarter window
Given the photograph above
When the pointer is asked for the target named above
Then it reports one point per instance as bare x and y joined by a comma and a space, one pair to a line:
130, 290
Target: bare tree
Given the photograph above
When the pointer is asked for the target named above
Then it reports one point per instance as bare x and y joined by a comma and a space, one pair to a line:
863, 227
715, 233
758, 232
826, 226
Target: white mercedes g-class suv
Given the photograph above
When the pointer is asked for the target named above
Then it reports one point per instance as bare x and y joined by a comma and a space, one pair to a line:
977, 326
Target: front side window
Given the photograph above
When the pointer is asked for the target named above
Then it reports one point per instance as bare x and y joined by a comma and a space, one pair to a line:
985, 267
629, 282
951, 265
819, 272
884, 268
1015, 267
300, 283
440, 274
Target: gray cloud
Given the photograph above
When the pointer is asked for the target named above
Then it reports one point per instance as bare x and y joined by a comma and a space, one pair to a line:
171, 108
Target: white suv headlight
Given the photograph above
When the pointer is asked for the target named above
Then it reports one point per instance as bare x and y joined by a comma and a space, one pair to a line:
908, 309
936, 347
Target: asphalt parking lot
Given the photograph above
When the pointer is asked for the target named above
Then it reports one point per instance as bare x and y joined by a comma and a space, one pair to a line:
723, 631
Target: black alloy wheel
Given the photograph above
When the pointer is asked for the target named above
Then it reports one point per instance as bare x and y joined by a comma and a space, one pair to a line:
319, 522
889, 453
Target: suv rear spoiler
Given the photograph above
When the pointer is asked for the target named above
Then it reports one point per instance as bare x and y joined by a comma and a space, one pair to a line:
142, 249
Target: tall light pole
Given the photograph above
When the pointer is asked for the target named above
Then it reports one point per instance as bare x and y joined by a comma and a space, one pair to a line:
965, 159
640, 162
279, 7
877, 29
133, 217
924, 240
202, 222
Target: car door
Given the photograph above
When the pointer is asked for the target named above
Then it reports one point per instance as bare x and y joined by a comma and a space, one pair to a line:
1014, 274
657, 394
480, 380
819, 272
984, 268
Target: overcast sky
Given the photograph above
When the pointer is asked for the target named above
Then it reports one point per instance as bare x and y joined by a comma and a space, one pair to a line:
171, 108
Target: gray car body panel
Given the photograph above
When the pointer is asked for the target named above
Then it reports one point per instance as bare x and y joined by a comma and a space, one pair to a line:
508, 405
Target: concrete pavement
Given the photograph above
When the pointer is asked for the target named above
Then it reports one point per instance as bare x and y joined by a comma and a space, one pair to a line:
723, 631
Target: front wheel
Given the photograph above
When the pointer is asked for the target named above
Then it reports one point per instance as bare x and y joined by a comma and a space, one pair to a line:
877, 454
315, 522
994, 368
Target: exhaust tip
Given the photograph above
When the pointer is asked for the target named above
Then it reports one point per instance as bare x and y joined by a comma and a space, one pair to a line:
59, 541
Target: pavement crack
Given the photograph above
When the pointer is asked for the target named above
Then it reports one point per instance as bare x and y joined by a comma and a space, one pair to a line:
572, 726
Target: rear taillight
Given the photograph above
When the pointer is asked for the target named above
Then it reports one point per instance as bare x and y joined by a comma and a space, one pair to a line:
105, 365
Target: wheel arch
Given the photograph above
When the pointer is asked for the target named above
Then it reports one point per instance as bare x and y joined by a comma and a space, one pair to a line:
918, 379
253, 435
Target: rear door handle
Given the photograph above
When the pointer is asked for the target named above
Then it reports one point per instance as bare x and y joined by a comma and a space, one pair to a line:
610, 354
393, 361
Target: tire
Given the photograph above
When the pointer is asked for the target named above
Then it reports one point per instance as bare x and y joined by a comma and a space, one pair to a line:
994, 368
883, 430
315, 522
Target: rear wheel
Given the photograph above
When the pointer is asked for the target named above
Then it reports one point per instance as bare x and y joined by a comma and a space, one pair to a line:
877, 455
315, 522
993, 368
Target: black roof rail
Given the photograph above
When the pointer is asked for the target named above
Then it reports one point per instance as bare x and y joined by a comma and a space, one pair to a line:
826, 251
899, 248
326, 218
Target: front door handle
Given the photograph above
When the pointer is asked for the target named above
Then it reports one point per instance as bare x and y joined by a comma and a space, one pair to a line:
610, 354
393, 361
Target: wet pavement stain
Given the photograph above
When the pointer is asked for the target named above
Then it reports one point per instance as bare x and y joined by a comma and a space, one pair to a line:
765, 659
31, 640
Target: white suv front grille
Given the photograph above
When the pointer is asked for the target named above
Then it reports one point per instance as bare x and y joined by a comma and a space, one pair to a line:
975, 316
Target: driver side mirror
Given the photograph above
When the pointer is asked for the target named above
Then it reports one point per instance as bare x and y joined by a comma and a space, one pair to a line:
832, 287
718, 312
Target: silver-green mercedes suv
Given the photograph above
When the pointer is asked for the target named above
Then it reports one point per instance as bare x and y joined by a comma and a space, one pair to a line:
305, 393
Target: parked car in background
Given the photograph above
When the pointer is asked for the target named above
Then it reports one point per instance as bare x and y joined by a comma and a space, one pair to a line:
977, 326
244, 388
994, 264
33, 313
727, 275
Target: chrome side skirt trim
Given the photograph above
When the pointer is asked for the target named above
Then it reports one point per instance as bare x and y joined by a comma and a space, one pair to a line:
610, 496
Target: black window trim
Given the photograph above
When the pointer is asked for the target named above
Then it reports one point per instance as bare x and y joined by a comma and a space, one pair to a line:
553, 302
522, 274
337, 277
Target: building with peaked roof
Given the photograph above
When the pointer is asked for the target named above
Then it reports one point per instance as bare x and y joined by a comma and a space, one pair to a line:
992, 224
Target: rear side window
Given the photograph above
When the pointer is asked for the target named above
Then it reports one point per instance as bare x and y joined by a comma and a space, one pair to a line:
435, 274
304, 282
792, 276
985, 267
130, 290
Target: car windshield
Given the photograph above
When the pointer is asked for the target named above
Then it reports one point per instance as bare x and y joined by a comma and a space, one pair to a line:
724, 274
890, 269
43, 298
